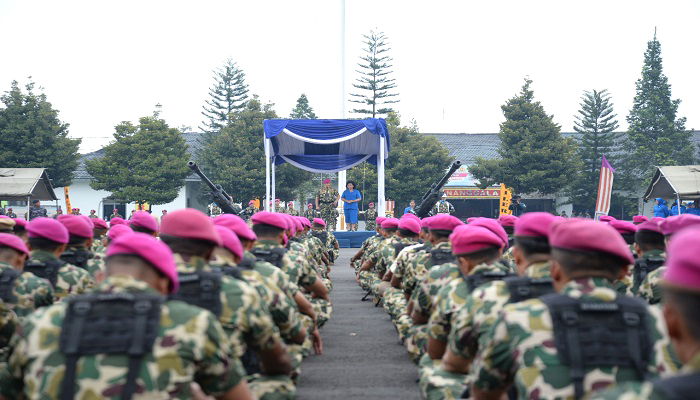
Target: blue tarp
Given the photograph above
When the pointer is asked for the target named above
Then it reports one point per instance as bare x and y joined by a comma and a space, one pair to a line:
326, 145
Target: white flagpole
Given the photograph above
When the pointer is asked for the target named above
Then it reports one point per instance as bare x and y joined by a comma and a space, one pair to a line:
342, 175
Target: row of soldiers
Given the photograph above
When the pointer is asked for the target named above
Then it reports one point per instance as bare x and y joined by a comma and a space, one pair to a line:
541, 307
193, 307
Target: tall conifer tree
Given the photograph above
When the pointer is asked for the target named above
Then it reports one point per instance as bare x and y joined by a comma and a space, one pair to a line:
303, 110
228, 95
374, 78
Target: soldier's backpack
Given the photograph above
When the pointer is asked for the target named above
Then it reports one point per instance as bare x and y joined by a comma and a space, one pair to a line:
473, 281
524, 288
274, 256
109, 323
246, 264
201, 289
642, 268
78, 258
44, 269
321, 235
400, 246
680, 387
593, 334
441, 256
7, 285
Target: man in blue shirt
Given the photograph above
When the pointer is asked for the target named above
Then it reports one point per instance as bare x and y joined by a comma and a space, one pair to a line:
411, 208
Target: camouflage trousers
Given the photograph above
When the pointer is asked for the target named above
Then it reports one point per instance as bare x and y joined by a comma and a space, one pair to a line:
371, 225
394, 302
403, 324
436, 383
272, 387
329, 216
417, 342
356, 265
296, 355
323, 309
366, 279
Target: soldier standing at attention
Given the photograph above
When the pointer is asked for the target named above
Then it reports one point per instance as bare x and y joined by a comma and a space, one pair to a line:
250, 210
443, 206
10, 213
37, 211
310, 213
370, 218
326, 202
115, 214
61, 352
290, 209
278, 207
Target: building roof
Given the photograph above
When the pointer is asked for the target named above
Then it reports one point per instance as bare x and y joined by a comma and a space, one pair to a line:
193, 140
466, 147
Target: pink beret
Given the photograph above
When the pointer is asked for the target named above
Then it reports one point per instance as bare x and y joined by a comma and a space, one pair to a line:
88, 220
76, 226
236, 225
58, 218
290, 224
370, 203
20, 222
443, 222
291, 203
304, 222
683, 263
470, 219
326, 181
298, 224
390, 223
276, 200
144, 220
533, 224
493, 226
672, 225
507, 220
623, 227
230, 241
409, 215
638, 219
379, 221
48, 229
657, 219
189, 223
470, 238
589, 236
251, 202
13, 242
270, 218
606, 218
652, 226
319, 221
99, 223
410, 224
151, 250
118, 230
425, 222
117, 221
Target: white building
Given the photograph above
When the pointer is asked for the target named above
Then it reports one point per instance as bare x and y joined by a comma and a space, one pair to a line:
85, 198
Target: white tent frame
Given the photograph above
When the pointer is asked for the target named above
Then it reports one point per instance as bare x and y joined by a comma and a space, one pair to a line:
270, 176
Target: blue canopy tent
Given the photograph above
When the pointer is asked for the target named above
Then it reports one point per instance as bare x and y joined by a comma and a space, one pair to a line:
324, 146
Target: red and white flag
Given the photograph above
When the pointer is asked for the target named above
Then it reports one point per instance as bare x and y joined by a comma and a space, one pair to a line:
605, 184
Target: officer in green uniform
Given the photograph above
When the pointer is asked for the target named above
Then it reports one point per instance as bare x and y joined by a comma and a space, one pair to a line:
310, 213
77, 252
326, 202
249, 211
564, 332
10, 213
370, 217
443, 206
290, 209
125, 340
681, 286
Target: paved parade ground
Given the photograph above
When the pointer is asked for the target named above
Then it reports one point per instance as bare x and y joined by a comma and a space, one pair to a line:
362, 356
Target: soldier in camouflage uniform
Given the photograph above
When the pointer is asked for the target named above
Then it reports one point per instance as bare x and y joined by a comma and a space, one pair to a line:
443, 206
27, 292
192, 237
290, 209
99, 233
279, 208
188, 344
371, 271
519, 349
650, 248
326, 202
370, 218
115, 214
77, 251
407, 235
92, 214
310, 213
357, 259
471, 324
9, 323
37, 211
681, 304
508, 223
249, 211
11, 214
47, 241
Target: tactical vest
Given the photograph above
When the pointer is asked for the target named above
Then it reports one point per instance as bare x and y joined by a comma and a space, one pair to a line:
642, 268
109, 323
321, 235
441, 256
7, 285
524, 288
680, 387
246, 264
45, 269
400, 246
201, 289
274, 256
593, 334
473, 281
78, 258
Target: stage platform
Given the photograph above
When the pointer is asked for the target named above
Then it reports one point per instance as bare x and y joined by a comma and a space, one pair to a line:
352, 239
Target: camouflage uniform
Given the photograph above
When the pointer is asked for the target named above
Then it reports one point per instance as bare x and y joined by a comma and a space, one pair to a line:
115, 215
11, 214
367, 245
644, 390
190, 346
394, 300
97, 246
293, 212
37, 212
71, 280
95, 261
370, 219
310, 214
9, 323
650, 288
519, 349
635, 285
369, 278
326, 204
29, 292
443, 207
470, 327
280, 209
249, 212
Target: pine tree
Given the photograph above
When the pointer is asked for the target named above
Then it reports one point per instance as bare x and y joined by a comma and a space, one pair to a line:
596, 125
656, 135
302, 110
374, 77
32, 135
533, 155
227, 96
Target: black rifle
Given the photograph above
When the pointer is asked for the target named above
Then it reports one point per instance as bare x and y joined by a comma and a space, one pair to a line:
433, 194
221, 198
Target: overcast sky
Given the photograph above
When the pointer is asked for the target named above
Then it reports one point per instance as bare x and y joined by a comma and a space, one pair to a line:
455, 62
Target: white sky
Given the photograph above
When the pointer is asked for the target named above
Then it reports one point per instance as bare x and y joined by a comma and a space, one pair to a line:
455, 62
